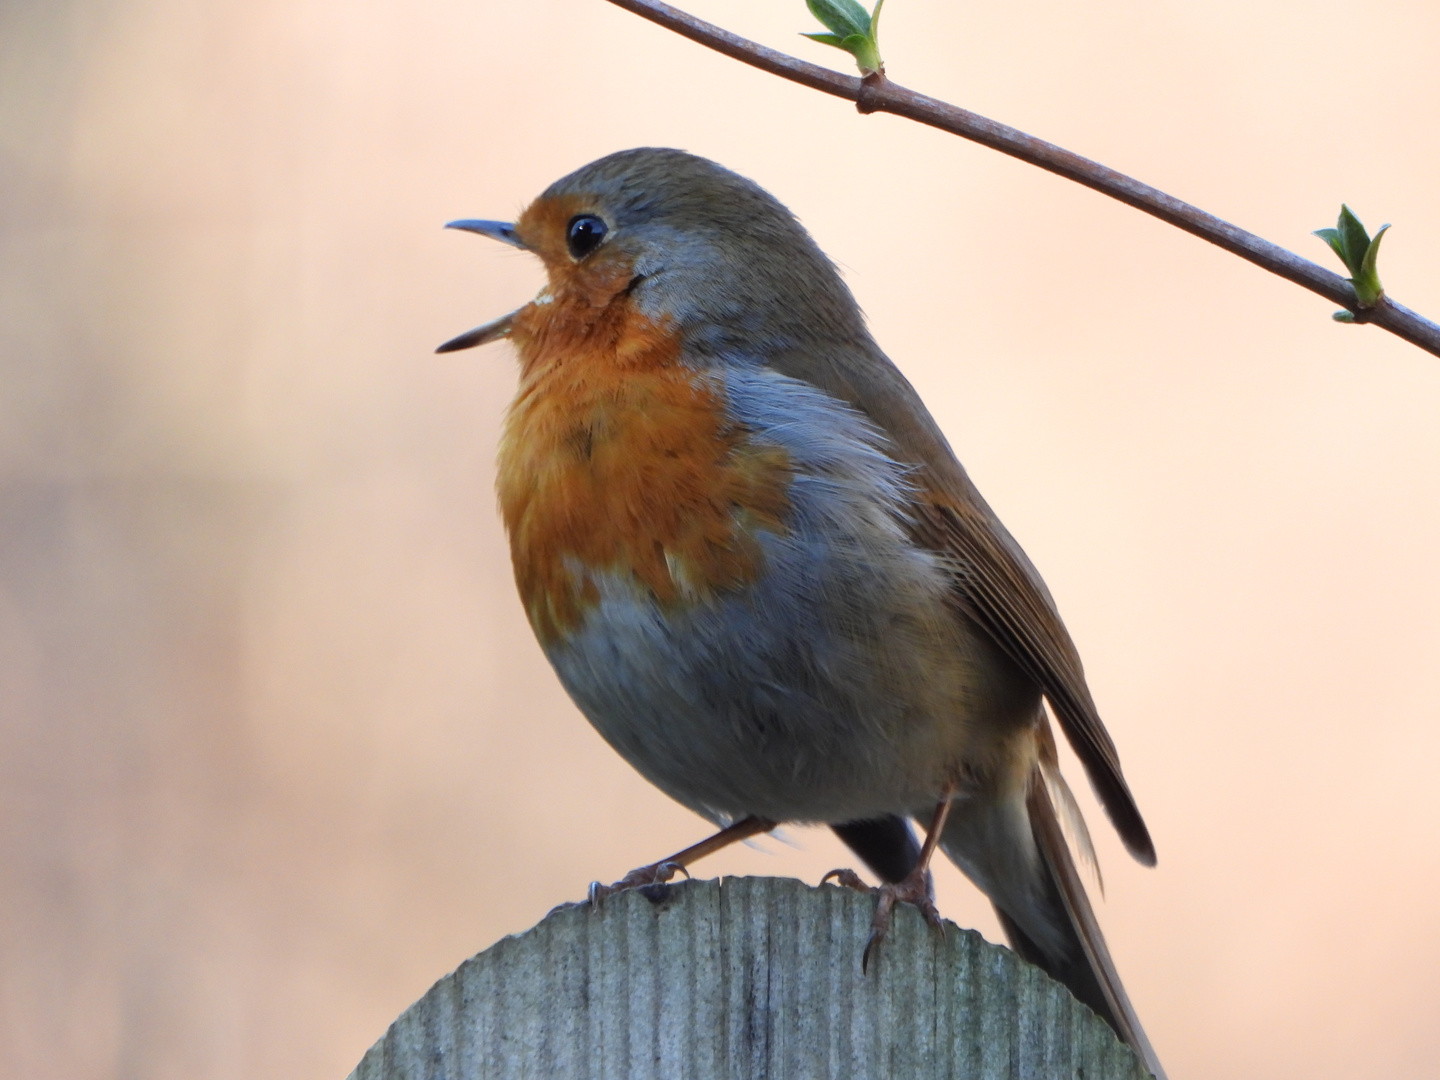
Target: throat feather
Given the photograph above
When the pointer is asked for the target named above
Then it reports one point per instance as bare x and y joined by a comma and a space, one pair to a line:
619, 460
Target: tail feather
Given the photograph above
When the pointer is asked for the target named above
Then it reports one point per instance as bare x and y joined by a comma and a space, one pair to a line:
885, 844
1087, 968
1072, 820
1012, 844
1015, 849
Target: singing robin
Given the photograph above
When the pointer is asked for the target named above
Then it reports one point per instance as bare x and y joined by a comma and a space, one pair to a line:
761, 572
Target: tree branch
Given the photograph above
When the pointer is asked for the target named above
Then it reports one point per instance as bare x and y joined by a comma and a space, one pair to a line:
875, 93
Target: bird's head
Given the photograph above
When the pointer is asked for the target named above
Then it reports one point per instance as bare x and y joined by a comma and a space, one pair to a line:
687, 242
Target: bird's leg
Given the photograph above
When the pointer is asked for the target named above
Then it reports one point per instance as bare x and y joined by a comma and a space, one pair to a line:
665, 869
916, 888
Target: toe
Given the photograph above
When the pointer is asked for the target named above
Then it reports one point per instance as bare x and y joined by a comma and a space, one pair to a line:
654, 874
847, 878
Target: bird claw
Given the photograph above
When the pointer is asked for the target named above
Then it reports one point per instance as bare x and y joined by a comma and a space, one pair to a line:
917, 888
654, 874
847, 878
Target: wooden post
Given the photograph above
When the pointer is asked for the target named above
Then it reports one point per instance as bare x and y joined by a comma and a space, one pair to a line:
744, 979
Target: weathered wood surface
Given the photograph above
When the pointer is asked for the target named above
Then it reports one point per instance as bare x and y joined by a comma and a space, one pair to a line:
744, 979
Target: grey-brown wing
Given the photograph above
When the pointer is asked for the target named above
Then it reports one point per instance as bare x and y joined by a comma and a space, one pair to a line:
996, 588
998, 592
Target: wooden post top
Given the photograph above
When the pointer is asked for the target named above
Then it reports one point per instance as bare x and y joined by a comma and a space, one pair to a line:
744, 979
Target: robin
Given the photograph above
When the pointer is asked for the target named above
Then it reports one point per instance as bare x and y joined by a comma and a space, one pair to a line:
760, 571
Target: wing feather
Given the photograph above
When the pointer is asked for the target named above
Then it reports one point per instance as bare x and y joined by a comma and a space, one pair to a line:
996, 588
999, 594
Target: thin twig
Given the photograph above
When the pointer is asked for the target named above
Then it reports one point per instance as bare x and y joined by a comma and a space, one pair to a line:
877, 94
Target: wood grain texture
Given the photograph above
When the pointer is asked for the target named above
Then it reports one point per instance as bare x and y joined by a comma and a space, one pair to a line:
744, 978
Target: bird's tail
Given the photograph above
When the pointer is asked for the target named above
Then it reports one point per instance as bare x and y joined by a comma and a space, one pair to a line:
1012, 843
1015, 849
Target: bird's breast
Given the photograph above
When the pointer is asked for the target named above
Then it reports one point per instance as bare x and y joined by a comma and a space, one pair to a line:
619, 460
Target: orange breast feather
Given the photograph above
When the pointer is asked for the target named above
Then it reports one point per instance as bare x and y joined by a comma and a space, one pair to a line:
615, 458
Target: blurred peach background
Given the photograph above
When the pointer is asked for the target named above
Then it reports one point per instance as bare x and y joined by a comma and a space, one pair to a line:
277, 749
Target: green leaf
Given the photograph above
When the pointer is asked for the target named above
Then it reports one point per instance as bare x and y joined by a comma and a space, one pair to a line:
1355, 238
1343, 316
842, 17
867, 56
875, 22
1359, 253
1367, 282
1332, 237
851, 29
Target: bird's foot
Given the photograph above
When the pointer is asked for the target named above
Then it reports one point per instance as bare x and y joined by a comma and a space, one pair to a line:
916, 888
654, 874
847, 878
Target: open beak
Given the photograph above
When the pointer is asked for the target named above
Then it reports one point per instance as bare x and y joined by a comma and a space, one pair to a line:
481, 335
503, 231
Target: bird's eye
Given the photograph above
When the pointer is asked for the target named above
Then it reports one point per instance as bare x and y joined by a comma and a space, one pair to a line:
584, 234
